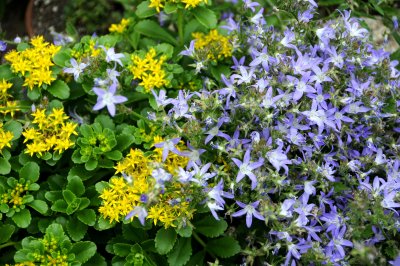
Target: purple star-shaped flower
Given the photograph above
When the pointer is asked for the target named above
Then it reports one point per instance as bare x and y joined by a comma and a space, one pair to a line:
108, 98
76, 68
138, 211
250, 211
246, 168
168, 145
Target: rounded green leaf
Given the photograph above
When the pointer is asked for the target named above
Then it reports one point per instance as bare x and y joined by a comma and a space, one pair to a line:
76, 229
22, 219
87, 217
30, 171
143, 10
14, 127
6, 232
211, 227
181, 253
224, 247
5, 166
165, 240
75, 185
39, 206
83, 251
206, 17
59, 89
152, 29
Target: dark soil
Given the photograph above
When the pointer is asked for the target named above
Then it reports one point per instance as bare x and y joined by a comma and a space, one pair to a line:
48, 16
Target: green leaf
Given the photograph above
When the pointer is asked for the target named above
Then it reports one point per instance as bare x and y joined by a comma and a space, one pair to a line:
75, 185
39, 206
206, 17
87, 217
105, 121
133, 234
14, 127
170, 7
152, 29
68, 196
91, 164
6, 232
185, 231
103, 224
181, 253
5, 166
59, 89
30, 171
143, 10
211, 227
34, 93
83, 251
22, 218
5, 72
61, 58
197, 259
76, 229
100, 186
59, 206
124, 141
165, 240
114, 155
224, 247
122, 249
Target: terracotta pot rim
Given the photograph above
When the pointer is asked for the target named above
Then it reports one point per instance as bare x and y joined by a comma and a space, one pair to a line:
29, 18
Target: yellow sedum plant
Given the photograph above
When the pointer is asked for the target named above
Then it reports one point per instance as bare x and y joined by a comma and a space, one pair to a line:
34, 62
149, 69
164, 204
212, 46
49, 131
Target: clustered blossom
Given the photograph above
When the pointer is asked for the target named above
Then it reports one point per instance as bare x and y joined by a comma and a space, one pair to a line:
310, 122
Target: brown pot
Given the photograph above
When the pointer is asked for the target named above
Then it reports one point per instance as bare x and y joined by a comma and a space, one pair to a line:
29, 18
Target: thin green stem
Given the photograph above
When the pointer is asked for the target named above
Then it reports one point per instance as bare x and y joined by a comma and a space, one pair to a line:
196, 236
8, 244
180, 26
138, 115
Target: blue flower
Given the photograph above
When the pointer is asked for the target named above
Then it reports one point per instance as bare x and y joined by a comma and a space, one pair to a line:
246, 168
3, 46
250, 211
76, 68
138, 211
108, 98
168, 145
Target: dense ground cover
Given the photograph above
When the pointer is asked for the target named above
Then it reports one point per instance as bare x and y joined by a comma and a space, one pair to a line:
195, 133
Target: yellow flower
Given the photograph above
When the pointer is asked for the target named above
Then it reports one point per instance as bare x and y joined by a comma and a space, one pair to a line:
212, 46
5, 138
34, 62
149, 70
49, 132
192, 3
157, 4
121, 27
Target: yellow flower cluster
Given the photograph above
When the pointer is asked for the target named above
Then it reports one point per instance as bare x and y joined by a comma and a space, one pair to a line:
52, 254
149, 70
6, 105
121, 27
50, 131
34, 62
5, 138
117, 199
169, 207
14, 196
158, 4
212, 45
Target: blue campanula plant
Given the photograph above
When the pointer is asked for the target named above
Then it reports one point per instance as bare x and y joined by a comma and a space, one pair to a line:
312, 110
196, 133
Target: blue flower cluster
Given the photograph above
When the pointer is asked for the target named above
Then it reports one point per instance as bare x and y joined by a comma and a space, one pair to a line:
304, 135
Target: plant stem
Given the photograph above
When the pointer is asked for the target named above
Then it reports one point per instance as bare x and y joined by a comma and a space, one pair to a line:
180, 25
7, 244
196, 236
